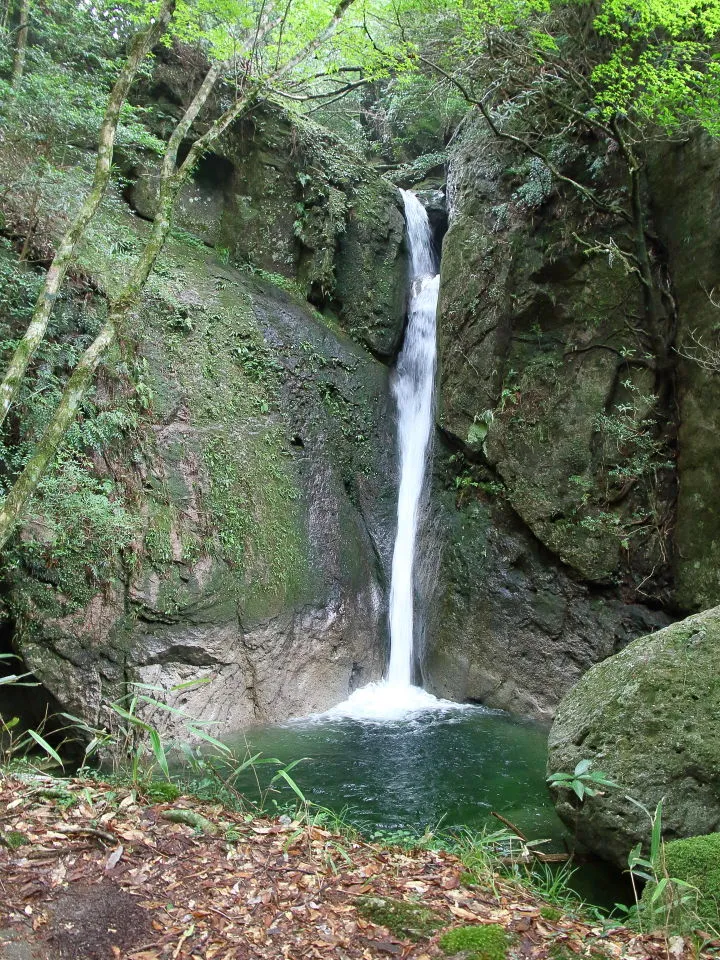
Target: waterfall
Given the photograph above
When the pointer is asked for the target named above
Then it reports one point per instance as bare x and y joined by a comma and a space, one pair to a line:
395, 698
413, 389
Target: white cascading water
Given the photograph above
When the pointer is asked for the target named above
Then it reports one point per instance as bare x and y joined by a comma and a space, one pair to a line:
413, 389
396, 697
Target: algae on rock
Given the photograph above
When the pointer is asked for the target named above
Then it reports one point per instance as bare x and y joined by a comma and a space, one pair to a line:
284, 196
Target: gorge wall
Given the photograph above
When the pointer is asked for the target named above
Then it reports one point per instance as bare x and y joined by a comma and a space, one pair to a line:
575, 501
242, 525
226, 506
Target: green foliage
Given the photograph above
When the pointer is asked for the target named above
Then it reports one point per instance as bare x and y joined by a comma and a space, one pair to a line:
695, 863
667, 902
663, 63
72, 60
420, 113
82, 524
582, 781
14, 839
161, 791
18, 742
537, 186
420, 167
487, 942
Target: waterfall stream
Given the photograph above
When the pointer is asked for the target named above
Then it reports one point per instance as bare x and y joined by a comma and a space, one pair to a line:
413, 390
413, 384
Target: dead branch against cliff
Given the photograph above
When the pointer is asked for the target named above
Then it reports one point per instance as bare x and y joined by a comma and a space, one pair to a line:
700, 353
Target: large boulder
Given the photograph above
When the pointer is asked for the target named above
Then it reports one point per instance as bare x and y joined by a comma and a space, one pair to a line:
649, 718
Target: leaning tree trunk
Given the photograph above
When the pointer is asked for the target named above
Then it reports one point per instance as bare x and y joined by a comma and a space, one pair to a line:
82, 376
141, 46
172, 178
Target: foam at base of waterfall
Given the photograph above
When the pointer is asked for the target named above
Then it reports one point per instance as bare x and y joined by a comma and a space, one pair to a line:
383, 702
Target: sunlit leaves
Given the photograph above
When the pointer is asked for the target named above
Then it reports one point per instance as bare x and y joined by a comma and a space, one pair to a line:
664, 65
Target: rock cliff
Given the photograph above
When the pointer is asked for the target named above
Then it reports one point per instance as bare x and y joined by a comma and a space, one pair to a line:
224, 507
575, 504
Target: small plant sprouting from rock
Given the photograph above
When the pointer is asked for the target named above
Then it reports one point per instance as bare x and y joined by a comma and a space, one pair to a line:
583, 781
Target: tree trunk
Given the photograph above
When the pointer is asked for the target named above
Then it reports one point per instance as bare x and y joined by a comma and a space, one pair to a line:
75, 389
82, 376
18, 68
141, 46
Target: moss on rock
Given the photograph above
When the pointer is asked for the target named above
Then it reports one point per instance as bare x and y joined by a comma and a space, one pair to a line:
534, 358
487, 942
410, 920
694, 861
242, 492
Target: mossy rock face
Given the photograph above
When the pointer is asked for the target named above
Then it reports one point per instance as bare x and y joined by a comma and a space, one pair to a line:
411, 921
529, 631
534, 378
284, 196
686, 212
695, 861
487, 942
546, 566
649, 718
255, 468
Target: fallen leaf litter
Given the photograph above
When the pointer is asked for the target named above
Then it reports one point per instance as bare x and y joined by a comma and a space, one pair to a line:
105, 875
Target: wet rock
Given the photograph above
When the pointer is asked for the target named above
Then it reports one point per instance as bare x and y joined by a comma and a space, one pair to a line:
507, 626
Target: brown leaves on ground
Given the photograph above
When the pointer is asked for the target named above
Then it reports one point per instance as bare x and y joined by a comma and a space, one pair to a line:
91, 872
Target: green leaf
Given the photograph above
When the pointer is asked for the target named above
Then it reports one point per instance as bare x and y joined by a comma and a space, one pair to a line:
283, 774
41, 741
159, 751
188, 684
201, 735
659, 888
582, 767
131, 717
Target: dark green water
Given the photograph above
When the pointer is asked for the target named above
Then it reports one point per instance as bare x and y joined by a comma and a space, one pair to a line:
448, 768
452, 768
